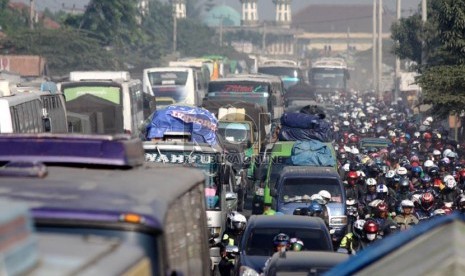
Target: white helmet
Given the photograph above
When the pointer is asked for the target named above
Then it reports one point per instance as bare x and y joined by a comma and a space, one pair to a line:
346, 167
439, 212
381, 189
447, 177
428, 164
355, 151
358, 227
325, 195
407, 203
371, 182
390, 174
451, 154
237, 221
401, 171
318, 198
451, 183
436, 152
446, 152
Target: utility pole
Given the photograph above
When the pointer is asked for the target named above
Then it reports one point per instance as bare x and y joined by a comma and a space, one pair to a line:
397, 72
175, 30
375, 81
31, 14
264, 38
423, 20
380, 48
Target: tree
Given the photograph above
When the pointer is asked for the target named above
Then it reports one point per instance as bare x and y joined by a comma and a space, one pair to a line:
444, 88
64, 49
444, 41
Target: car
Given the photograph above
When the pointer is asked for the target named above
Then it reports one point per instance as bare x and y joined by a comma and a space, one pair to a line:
303, 262
97, 187
256, 245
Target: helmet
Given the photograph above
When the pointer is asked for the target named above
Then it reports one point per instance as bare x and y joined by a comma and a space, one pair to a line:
451, 154
315, 208
281, 239
325, 195
237, 221
427, 201
381, 189
451, 183
371, 182
426, 179
407, 203
416, 170
428, 164
404, 183
446, 152
401, 171
358, 227
296, 244
382, 208
439, 212
436, 152
370, 229
390, 174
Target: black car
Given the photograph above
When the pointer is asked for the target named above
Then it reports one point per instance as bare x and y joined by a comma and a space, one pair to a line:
256, 245
303, 263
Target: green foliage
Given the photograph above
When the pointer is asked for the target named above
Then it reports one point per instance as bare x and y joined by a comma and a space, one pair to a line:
11, 20
194, 38
77, 50
443, 87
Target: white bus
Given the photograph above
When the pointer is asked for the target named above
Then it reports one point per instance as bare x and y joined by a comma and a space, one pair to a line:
173, 85
27, 109
104, 102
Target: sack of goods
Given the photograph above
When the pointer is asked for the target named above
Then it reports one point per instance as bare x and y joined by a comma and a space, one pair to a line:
199, 123
309, 124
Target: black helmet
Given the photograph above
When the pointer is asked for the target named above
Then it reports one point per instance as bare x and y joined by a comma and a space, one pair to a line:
281, 239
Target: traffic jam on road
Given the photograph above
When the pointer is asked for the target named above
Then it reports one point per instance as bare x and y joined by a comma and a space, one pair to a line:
104, 174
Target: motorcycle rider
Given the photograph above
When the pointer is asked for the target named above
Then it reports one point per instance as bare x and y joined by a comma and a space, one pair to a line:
406, 219
426, 207
350, 243
451, 192
385, 223
235, 228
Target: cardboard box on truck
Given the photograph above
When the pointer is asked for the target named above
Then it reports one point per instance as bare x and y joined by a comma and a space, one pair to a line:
24, 65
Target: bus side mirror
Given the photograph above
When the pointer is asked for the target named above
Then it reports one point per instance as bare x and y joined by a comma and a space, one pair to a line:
47, 124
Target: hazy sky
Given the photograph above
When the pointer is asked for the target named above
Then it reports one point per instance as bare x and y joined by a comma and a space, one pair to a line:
266, 6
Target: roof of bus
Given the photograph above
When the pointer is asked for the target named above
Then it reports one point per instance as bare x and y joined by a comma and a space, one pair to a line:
167, 69
21, 97
248, 77
102, 194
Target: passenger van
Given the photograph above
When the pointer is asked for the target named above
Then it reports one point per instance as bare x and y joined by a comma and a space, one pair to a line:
104, 102
27, 109
99, 209
173, 85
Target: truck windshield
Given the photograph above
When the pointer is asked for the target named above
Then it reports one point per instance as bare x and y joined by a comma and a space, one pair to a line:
328, 78
260, 242
301, 189
234, 132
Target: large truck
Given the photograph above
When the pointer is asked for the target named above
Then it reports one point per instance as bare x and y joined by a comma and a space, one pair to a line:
329, 75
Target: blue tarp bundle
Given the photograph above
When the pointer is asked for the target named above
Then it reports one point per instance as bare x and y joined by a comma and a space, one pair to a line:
300, 126
199, 122
312, 153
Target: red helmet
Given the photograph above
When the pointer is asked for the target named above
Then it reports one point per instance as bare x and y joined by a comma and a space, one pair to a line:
427, 200
427, 136
371, 227
353, 139
352, 175
382, 207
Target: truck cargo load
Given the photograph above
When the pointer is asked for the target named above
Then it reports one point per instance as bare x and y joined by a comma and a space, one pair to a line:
24, 65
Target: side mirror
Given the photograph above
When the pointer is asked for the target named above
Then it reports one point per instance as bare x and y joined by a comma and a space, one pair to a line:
231, 196
47, 124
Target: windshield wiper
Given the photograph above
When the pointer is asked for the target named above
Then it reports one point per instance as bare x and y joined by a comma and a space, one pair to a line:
297, 199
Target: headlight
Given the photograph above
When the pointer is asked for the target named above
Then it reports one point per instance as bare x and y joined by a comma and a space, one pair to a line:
338, 220
247, 271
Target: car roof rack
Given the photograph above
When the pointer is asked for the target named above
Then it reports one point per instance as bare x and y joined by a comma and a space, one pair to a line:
111, 150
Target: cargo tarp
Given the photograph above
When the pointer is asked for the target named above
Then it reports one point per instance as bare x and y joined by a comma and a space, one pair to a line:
312, 153
199, 122
300, 126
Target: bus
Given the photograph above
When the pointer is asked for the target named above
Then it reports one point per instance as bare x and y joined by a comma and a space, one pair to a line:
104, 102
173, 85
329, 75
265, 90
103, 211
288, 71
26, 108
